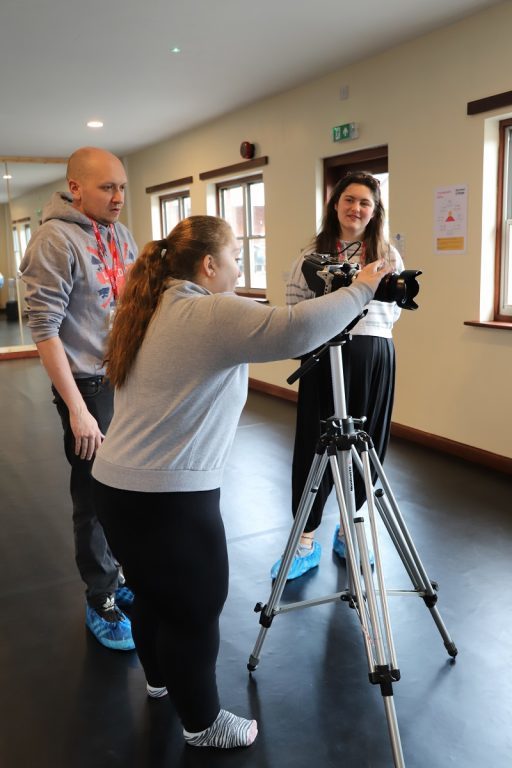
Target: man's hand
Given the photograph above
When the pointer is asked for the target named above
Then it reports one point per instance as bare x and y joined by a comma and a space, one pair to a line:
88, 436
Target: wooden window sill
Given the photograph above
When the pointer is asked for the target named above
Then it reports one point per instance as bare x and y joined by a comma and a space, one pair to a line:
490, 324
256, 296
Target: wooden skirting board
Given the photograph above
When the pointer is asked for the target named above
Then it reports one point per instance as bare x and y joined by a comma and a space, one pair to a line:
442, 444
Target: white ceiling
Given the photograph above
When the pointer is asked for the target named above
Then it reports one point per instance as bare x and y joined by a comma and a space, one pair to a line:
64, 62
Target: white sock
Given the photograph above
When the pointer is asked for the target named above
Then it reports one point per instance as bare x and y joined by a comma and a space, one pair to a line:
156, 692
226, 732
303, 549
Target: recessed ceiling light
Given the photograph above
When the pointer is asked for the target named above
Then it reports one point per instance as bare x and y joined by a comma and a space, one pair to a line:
7, 176
175, 49
95, 124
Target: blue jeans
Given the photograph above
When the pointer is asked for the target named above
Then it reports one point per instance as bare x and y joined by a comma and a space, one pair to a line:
98, 568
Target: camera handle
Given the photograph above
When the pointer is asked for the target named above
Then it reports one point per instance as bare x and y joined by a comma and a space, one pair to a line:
314, 358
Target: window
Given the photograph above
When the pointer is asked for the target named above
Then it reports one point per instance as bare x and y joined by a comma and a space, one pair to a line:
21, 234
25, 235
503, 283
173, 208
242, 204
16, 246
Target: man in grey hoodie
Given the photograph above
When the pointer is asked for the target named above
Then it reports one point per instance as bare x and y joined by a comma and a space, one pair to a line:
74, 269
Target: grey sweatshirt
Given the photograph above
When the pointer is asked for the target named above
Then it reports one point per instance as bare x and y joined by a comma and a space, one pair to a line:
68, 293
176, 415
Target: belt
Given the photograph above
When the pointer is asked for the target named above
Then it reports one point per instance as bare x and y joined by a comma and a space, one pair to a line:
92, 379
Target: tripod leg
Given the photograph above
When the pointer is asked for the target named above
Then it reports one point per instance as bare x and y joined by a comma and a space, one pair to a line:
352, 555
270, 609
394, 735
396, 538
347, 483
408, 553
381, 671
378, 564
365, 600
395, 531
352, 559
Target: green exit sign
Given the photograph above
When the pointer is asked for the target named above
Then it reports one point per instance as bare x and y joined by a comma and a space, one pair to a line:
345, 132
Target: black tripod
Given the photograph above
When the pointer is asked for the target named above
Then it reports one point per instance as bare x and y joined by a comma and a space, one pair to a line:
342, 445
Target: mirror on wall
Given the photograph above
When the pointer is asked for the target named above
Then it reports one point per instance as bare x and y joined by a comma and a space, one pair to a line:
26, 186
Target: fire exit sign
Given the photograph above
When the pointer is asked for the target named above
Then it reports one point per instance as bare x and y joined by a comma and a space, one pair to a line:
345, 132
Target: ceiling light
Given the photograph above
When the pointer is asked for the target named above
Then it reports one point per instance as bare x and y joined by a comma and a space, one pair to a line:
175, 49
7, 176
95, 124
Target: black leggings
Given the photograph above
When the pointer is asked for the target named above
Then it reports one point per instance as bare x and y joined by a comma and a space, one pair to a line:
174, 555
369, 378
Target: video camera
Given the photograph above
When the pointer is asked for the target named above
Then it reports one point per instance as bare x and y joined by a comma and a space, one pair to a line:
324, 274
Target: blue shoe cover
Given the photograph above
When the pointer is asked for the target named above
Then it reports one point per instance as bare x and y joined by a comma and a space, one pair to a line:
124, 597
112, 634
300, 565
338, 545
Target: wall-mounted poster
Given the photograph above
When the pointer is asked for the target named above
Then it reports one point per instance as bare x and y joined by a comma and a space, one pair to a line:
450, 219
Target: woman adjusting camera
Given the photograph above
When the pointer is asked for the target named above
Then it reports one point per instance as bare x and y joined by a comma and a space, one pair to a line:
177, 356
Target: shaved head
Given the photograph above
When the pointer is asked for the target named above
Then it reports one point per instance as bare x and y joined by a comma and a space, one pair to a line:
97, 182
87, 160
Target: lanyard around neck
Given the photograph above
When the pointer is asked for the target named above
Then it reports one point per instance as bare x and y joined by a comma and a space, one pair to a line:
117, 260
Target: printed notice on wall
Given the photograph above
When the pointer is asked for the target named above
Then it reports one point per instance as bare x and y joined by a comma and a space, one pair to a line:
450, 219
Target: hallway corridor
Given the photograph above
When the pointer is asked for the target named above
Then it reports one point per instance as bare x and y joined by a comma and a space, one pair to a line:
67, 702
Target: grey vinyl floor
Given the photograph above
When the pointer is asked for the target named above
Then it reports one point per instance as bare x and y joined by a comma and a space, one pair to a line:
66, 702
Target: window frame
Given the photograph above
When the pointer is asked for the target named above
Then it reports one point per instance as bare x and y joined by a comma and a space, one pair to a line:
503, 249
16, 243
248, 236
21, 234
181, 196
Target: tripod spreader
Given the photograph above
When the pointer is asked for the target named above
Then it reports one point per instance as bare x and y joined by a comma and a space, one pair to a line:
340, 435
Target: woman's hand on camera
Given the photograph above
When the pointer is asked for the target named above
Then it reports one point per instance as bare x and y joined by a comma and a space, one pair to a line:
373, 273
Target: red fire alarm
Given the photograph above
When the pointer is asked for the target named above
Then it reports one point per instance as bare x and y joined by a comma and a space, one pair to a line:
247, 150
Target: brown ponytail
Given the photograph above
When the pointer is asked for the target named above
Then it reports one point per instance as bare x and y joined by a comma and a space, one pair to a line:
177, 256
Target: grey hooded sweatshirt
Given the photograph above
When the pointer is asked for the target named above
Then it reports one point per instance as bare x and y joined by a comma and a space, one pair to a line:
68, 293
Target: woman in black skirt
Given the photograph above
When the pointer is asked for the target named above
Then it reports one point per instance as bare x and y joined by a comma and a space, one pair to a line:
352, 229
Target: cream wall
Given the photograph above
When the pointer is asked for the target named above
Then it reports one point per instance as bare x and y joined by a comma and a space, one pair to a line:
452, 380
32, 204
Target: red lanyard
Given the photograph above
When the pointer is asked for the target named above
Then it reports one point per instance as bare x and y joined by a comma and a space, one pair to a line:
117, 268
343, 250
